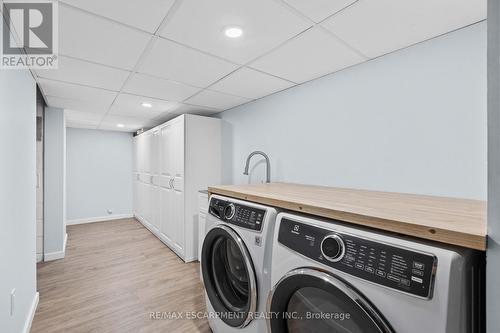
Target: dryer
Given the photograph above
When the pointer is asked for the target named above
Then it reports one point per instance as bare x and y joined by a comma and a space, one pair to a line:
235, 256
328, 276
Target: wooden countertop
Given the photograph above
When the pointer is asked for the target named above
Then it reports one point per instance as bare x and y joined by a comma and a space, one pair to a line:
447, 220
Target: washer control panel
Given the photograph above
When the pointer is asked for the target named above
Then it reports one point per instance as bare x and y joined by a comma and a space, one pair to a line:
237, 214
388, 265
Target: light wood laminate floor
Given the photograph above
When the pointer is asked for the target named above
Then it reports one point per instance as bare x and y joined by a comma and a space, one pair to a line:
114, 275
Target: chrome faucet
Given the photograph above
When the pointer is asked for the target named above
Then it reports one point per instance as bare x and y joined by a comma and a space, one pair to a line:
268, 164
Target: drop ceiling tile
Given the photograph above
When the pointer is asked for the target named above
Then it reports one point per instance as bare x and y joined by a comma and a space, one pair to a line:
74, 104
86, 73
82, 116
79, 119
82, 125
149, 86
86, 36
130, 105
250, 83
130, 124
216, 100
379, 27
265, 24
179, 63
77, 92
111, 127
145, 14
318, 10
312, 54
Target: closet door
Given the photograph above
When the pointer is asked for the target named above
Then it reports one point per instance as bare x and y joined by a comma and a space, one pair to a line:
140, 176
166, 222
147, 178
140, 153
177, 195
135, 177
154, 188
140, 198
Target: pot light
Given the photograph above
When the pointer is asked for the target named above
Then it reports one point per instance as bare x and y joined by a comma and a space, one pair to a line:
147, 105
233, 32
120, 125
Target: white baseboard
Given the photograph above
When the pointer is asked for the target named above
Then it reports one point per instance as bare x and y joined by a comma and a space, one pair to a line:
53, 256
99, 219
57, 255
31, 314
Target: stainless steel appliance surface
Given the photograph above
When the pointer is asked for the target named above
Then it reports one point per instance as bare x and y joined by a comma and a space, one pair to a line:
328, 276
235, 259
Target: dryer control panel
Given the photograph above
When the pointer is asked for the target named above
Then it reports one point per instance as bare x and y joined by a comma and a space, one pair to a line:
240, 215
395, 267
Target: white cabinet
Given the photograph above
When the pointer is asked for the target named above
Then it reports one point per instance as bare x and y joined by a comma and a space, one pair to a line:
146, 178
174, 161
154, 182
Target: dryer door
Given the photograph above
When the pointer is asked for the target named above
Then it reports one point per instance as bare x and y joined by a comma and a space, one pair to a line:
309, 300
229, 276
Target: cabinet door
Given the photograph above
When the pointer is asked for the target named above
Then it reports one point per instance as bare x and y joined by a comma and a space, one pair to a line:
155, 184
177, 215
147, 152
140, 153
147, 203
177, 155
177, 148
172, 183
165, 183
165, 151
166, 222
155, 204
154, 152
136, 193
140, 199
135, 165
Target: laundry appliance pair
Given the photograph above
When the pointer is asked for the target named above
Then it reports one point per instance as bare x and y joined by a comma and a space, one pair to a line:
271, 271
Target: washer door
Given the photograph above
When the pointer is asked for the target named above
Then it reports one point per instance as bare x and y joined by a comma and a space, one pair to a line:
309, 300
229, 276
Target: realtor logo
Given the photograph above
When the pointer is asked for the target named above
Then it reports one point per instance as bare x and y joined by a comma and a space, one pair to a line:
29, 34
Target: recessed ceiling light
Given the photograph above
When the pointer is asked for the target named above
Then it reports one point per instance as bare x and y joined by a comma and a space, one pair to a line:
147, 105
233, 32
120, 125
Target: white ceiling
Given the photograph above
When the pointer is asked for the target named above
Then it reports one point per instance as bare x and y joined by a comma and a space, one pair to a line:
117, 54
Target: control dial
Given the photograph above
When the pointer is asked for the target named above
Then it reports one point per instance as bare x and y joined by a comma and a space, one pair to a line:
229, 211
333, 248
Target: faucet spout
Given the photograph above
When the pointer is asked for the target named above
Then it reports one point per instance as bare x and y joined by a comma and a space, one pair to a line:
268, 164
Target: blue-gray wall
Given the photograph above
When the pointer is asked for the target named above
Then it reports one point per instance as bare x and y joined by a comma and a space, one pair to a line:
54, 215
412, 121
99, 173
493, 251
17, 197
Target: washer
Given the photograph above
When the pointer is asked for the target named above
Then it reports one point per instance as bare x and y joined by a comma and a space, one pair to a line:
328, 276
235, 253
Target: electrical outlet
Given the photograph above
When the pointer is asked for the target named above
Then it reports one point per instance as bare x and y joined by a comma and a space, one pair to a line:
12, 301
